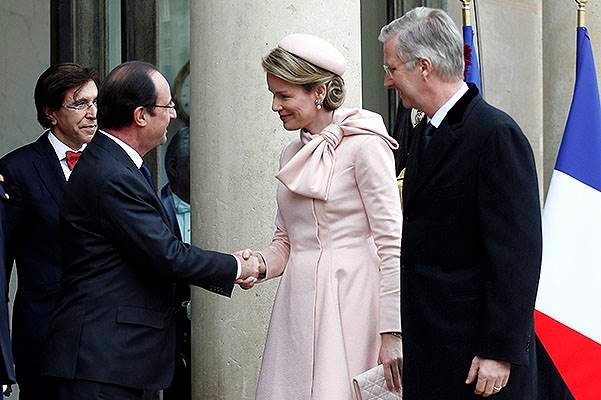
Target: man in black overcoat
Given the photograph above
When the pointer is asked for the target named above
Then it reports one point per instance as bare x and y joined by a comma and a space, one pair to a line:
471, 246
7, 370
113, 331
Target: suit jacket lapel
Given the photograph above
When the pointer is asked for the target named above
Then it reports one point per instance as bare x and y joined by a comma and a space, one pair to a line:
411, 171
441, 142
49, 168
421, 167
123, 158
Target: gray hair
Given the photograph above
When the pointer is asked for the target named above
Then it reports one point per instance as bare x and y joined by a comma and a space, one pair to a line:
428, 33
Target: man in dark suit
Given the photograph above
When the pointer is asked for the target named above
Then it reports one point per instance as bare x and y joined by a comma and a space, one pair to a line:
65, 98
175, 196
403, 132
471, 247
7, 371
113, 332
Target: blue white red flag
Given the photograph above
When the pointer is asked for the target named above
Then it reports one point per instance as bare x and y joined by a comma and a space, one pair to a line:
472, 67
567, 317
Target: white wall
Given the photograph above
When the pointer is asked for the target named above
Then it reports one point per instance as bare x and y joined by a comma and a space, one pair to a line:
25, 54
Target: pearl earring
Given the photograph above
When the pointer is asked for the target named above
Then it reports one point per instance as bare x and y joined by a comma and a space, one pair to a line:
318, 103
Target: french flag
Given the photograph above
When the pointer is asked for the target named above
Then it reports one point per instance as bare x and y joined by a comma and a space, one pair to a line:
568, 306
471, 72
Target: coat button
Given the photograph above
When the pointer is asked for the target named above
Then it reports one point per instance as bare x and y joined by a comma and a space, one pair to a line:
403, 266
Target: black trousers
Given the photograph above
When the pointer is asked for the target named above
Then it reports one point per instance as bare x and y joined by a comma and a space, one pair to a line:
73, 389
32, 386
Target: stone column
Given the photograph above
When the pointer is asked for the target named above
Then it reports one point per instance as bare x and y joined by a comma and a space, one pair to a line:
235, 144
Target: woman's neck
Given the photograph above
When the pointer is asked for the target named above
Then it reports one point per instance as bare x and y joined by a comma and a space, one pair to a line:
323, 119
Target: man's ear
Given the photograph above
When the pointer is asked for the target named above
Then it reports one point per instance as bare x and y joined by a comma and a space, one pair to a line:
171, 168
49, 112
140, 116
425, 66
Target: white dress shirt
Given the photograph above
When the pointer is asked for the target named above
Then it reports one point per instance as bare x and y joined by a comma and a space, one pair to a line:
446, 107
135, 157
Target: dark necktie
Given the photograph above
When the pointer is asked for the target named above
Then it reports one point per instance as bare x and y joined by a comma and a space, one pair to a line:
146, 172
72, 157
426, 137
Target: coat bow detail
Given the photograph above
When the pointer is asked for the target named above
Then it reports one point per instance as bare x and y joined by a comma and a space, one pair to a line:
309, 172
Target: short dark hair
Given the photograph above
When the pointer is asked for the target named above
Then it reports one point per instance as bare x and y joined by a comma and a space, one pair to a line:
55, 82
126, 87
178, 149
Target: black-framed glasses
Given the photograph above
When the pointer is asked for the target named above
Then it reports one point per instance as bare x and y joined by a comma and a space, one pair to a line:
81, 105
171, 105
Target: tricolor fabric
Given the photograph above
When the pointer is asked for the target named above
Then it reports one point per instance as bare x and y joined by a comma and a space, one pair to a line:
472, 67
568, 306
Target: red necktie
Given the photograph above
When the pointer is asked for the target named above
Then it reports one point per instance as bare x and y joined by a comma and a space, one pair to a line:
72, 157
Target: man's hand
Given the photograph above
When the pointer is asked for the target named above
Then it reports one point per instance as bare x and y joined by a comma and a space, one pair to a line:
3, 194
391, 356
247, 255
492, 375
249, 267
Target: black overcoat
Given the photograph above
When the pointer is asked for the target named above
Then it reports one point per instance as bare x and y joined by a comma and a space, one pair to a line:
471, 253
7, 370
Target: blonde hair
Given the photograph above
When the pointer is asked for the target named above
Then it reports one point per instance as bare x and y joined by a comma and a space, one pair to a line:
293, 69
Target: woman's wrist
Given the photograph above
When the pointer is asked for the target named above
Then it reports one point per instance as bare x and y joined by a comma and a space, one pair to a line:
262, 266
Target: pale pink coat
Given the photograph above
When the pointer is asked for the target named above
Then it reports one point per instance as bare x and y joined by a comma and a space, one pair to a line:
339, 260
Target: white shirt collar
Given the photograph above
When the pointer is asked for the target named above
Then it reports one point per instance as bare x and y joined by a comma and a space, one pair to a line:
446, 107
59, 147
135, 157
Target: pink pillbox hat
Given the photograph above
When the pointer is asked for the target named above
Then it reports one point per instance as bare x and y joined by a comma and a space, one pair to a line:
314, 50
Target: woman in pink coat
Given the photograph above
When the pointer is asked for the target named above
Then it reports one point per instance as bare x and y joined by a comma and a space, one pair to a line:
338, 234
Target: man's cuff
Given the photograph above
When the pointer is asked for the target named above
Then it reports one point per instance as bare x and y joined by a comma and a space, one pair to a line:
239, 267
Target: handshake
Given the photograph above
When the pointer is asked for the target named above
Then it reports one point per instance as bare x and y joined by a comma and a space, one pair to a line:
253, 268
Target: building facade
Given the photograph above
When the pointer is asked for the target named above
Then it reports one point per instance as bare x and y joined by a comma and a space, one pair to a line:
210, 50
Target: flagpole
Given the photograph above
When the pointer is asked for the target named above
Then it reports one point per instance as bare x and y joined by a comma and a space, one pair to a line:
466, 12
472, 71
581, 13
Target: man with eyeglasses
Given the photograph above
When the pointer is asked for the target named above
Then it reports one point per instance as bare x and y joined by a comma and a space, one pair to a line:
113, 333
472, 242
35, 177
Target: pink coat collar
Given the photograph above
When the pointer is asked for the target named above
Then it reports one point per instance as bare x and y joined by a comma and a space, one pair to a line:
309, 172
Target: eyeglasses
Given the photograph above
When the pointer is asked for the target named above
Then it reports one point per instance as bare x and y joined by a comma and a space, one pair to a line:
171, 105
388, 70
81, 106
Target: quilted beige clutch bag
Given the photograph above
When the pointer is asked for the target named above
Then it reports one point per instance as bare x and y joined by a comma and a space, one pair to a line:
371, 385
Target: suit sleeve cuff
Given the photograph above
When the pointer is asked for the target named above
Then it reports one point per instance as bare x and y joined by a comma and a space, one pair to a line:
239, 271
